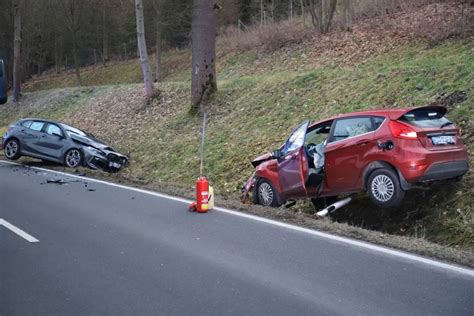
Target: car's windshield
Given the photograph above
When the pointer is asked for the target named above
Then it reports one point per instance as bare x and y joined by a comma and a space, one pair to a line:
296, 139
75, 131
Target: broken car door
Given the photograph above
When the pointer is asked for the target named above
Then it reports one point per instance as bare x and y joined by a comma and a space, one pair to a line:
292, 164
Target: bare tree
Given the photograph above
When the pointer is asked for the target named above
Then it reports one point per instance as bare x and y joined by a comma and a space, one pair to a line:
73, 23
383, 10
322, 13
142, 49
203, 27
302, 12
348, 12
105, 33
16, 49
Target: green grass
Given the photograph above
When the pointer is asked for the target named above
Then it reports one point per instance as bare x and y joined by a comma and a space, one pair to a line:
252, 114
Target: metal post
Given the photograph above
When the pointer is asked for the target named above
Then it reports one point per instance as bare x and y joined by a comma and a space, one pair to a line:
203, 140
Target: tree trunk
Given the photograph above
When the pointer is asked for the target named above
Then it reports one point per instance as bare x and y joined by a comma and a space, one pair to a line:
302, 12
204, 82
291, 9
348, 15
16, 50
142, 49
105, 35
322, 13
383, 10
76, 60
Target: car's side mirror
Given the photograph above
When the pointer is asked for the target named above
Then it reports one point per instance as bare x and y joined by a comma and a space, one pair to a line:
59, 135
276, 154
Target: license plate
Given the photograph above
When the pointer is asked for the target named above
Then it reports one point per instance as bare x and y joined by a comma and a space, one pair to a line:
443, 140
114, 165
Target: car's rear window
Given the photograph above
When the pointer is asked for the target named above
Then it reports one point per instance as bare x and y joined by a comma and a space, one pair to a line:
426, 118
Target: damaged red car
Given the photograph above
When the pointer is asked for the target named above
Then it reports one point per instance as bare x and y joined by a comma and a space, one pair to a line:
384, 152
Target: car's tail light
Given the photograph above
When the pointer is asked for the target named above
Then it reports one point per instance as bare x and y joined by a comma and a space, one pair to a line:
401, 130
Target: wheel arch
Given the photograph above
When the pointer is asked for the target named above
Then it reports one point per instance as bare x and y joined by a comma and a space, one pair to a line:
381, 164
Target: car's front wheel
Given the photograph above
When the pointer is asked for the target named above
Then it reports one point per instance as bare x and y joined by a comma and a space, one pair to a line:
266, 194
73, 158
384, 188
12, 149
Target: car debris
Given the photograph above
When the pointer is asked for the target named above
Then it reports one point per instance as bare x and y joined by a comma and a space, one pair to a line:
60, 143
384, 152
333, 207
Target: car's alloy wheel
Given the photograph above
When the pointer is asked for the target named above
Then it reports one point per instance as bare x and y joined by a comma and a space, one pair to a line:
73, 158
382, 188
12, 149
267, 195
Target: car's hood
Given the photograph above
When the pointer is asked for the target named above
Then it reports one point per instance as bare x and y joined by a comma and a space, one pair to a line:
262, 158
92, 142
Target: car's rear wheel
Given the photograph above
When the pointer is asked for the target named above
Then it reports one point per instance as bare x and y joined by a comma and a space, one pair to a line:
12, 149
73, 158
384, 188
267, 195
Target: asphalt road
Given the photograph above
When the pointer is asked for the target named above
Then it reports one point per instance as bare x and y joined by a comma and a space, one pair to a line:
108, 250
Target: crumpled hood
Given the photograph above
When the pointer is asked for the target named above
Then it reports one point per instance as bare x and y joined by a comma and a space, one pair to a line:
93, 142
262, 158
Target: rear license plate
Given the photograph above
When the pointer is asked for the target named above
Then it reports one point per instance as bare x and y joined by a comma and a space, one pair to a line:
443, 140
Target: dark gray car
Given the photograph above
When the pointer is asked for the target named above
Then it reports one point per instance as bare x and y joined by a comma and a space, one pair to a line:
58, 142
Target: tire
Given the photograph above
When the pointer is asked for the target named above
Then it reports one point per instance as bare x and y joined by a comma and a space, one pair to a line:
11, 149
267, 195
384, 188
73, 158
323, 202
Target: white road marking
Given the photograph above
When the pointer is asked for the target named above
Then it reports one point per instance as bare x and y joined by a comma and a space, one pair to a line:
18, 231
345, 240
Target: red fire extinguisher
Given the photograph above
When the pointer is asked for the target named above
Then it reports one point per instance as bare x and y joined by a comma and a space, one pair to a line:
202, 184
202, 194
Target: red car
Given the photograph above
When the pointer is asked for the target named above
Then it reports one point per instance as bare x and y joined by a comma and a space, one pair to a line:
384, 152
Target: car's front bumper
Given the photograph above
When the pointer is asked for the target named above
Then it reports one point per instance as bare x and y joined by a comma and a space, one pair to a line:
110, 161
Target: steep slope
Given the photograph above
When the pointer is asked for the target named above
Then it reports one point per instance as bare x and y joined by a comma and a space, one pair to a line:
262, 95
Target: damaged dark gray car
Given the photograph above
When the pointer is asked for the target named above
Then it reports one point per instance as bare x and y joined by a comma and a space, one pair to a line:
61, 143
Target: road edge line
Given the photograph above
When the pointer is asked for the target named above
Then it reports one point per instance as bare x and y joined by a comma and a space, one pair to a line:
345, 240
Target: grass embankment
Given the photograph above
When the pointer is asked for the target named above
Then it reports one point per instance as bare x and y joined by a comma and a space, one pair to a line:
252, 114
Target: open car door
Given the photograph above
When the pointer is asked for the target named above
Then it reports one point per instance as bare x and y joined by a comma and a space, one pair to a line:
292, 165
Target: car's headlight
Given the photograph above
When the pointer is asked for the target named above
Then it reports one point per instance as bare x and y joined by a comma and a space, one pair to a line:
95, 151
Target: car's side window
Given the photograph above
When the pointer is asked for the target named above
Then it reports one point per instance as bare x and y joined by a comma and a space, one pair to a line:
37, 126
53, 129
378, 120
26, 124
351, 127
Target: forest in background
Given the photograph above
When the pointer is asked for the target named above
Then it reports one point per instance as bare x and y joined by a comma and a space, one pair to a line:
57, 35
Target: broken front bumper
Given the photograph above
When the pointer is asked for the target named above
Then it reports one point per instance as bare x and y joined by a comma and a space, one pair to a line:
248, 187
107, 161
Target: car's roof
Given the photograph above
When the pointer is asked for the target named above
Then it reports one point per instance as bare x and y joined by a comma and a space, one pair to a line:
39, 119
393, 113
